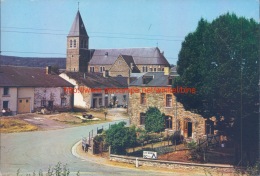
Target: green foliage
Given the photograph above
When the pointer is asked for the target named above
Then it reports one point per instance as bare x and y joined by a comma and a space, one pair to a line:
220, 60
176, 137
120, 137
57, 170
192, 145
154, 120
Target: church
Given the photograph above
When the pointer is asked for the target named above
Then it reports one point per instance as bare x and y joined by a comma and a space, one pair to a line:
112, 62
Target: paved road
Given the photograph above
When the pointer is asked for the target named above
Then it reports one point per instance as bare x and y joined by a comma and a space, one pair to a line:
32, 151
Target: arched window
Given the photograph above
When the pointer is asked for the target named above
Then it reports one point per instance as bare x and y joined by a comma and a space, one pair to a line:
70, 43
75, 43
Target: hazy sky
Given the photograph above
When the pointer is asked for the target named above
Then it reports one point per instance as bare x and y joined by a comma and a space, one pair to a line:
39, 27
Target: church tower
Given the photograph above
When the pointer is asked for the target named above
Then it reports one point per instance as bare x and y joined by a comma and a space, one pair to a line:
78, 53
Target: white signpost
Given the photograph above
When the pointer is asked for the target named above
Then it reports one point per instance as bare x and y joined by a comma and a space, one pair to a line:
149, 155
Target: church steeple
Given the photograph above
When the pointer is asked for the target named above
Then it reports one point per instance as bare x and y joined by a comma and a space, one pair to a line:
78, 54
78, 27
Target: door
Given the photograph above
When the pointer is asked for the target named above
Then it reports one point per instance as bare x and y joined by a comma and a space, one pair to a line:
106, 102
187, 129
23, 105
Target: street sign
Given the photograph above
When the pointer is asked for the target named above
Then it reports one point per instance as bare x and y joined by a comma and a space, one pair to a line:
149, 155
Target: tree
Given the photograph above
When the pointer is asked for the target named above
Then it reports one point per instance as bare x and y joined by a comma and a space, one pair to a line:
154, 120
120, 137
220, 60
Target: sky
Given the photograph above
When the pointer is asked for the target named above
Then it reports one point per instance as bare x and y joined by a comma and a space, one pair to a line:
39, 28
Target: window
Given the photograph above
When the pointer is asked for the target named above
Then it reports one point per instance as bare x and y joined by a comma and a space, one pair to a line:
159, 69
70, 43
101, 69
142, 118
146, 69
50, 104
6, 90
162, 69
143, 98
92, 69
151, 69
170, 81
100, 101
43, 103
124, 97
5, 104
143, 69
63, 102
154, 69
168, 122
168, 100
75, 43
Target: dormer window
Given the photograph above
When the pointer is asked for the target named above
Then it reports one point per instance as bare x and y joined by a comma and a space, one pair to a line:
147, 79
106, 54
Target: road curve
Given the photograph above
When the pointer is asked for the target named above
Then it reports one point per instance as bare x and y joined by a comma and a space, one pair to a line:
34, 151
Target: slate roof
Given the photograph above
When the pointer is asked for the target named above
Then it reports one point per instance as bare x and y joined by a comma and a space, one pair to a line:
94, 80
140, 56
78, 27
159, 80
29, 77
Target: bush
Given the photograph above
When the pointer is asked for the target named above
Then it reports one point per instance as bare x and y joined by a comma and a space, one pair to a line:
176, 137
154, 120
120, 137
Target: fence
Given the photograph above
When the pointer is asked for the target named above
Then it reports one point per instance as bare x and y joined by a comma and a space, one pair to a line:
88, 142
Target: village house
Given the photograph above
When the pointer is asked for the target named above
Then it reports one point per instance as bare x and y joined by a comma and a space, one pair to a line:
25, 89
94, 90
154, 89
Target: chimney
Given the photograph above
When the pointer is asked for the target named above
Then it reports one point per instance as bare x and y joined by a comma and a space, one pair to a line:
162, 53
166, 70
48, 70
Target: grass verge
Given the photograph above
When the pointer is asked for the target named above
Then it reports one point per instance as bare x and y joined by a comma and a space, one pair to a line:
10, 125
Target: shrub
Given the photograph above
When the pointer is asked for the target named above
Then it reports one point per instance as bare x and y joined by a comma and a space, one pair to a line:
120, 137
154, 120
176, 137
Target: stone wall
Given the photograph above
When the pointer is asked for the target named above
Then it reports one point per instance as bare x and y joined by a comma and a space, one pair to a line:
179, 116
220, 168
120, 67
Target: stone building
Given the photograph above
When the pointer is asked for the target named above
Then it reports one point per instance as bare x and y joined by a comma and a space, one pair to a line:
25, 89
154, 89
82, 59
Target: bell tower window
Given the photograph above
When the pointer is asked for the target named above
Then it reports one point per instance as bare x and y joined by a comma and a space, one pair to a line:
75, 43
70, 43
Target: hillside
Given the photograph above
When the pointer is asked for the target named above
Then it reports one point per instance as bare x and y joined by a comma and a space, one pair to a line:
33, 61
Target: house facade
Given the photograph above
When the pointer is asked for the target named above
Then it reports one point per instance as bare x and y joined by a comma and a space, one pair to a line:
96, 90
155, 90
25, 89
